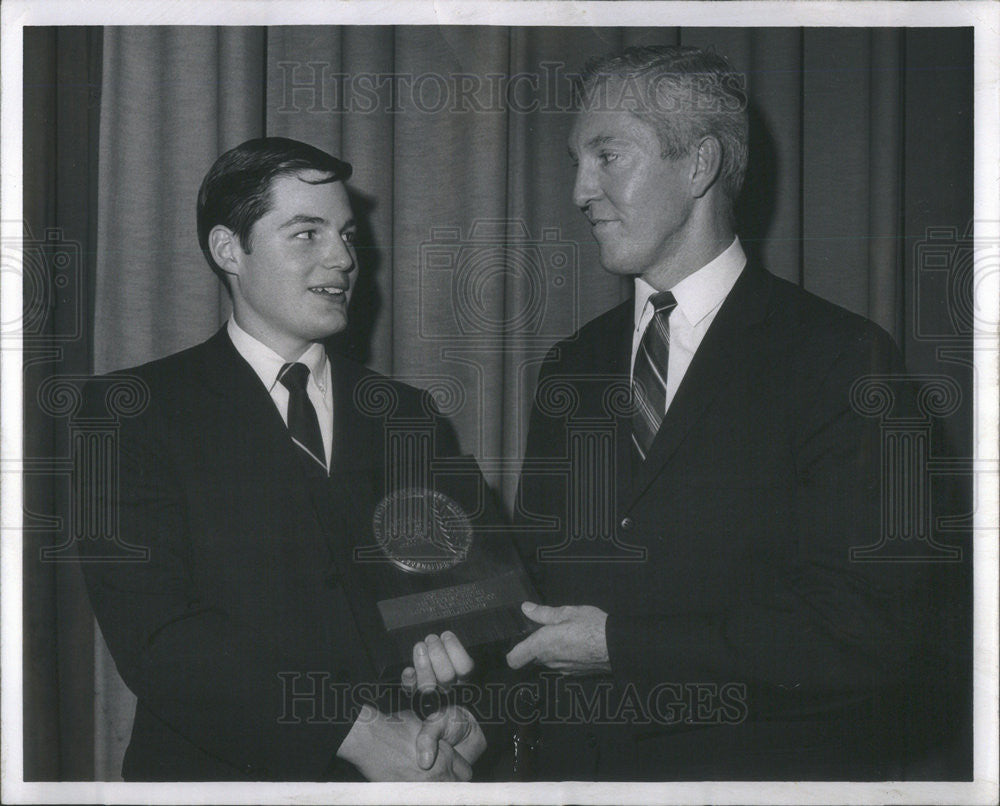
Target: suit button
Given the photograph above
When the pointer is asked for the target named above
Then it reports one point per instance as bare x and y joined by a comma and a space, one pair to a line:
332, 580
592, 739
627, 524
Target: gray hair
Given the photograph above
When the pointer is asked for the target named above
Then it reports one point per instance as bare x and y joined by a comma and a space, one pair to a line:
685, 93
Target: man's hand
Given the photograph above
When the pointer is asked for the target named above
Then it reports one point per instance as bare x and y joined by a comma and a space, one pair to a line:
572, 640
384, 747
452, 727
438, 663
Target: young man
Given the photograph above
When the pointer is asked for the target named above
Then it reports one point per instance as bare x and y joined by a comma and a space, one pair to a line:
237, 633
734, 637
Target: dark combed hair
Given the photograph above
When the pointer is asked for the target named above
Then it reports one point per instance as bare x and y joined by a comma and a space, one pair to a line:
236, 190
685, 93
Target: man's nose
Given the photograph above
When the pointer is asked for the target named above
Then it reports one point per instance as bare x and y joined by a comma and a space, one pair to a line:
338, 255
585, 187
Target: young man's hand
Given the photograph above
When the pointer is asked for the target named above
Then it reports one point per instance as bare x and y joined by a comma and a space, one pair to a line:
452, 727
438, 664
385, 747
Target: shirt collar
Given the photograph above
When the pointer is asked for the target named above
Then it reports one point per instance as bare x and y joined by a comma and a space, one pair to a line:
702, 291
267, 363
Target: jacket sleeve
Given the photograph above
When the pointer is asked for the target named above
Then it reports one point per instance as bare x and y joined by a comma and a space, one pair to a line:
214, 679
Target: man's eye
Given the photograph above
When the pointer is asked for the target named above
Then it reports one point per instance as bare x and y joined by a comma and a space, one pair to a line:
349, 237
306, 235
607, 156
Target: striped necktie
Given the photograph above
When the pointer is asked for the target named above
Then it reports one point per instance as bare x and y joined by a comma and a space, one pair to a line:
303, 424
649, 376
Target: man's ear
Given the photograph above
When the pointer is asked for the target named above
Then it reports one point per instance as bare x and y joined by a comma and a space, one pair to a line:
226, 249
707, 165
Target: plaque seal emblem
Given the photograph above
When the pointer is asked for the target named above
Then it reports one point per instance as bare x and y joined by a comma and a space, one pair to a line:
422, 531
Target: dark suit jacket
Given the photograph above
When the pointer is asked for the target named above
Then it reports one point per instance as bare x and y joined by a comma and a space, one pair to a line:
757, 648
248, 584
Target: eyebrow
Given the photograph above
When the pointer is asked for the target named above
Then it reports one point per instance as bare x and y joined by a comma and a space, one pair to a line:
600, 140
302, 219
594, 142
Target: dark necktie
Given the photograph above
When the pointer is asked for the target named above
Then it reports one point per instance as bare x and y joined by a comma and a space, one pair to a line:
302, 422
649, 376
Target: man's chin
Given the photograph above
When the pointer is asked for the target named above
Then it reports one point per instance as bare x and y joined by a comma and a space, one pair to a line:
331, 326
614, 262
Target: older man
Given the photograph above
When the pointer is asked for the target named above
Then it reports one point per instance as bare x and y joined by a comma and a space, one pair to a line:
719, 627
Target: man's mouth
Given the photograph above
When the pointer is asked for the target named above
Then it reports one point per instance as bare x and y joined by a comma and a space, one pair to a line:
599, 224
329, 291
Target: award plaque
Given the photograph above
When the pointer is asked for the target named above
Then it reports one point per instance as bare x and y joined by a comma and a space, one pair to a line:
441, 560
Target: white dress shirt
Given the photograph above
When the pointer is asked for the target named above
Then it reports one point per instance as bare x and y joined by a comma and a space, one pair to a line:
699, 297
267, 364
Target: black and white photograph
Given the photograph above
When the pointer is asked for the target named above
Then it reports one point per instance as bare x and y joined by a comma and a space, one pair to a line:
510, 402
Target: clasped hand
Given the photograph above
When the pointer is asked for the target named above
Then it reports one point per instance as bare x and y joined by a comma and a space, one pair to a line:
401, 747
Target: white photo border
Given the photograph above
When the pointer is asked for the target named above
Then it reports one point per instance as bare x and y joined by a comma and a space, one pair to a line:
984, 17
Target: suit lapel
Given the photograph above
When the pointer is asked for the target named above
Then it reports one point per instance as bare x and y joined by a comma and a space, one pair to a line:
356, 464
357, 438
228, 376
710, 371
598, 371
617, 354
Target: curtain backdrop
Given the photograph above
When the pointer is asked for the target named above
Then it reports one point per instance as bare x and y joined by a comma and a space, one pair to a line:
474, 259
